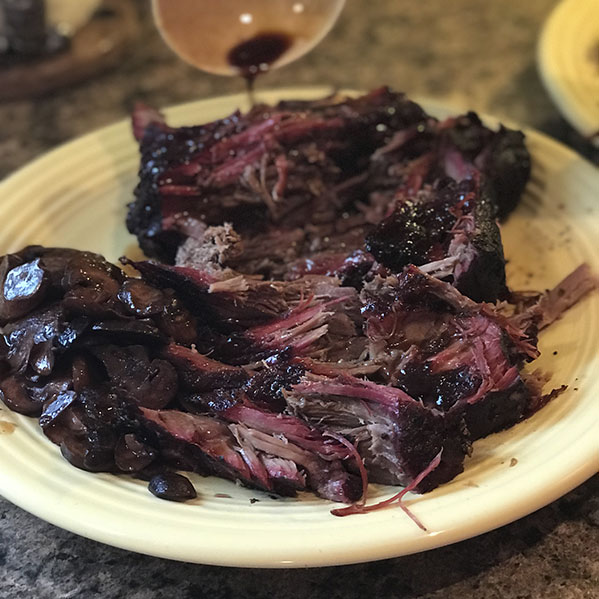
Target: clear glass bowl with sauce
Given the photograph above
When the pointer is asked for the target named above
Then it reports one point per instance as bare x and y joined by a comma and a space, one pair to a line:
244, 37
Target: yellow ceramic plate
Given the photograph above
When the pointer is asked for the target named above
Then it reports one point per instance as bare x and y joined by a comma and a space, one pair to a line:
76, 195
568, 59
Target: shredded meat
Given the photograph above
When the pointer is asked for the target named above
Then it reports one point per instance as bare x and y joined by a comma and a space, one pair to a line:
330, 309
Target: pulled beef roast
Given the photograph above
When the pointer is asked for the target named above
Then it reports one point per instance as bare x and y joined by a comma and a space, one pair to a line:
314, 322
271, 165
396, 435
448, 230
295, 384
96, 355
448, 351
307, 187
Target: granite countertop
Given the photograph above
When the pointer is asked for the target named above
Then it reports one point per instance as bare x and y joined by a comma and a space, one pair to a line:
479, 55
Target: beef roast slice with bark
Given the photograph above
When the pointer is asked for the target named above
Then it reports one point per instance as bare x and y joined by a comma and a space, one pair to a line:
476, 241
501, 156
235, 405
327, 478
297, 167
225, 392
459, 147
448, 229
396, 436
447, 351
162, 146
247, 320
196, 443
506, 163
418, 230
230, 303
270, 164
237, 452
199, 373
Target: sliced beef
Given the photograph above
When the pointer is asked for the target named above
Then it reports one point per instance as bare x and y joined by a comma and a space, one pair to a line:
248, 320
351, 270
197, 443
396, 436
461, 148
305, 183
209, 446
506, 163
282, 385
266, 255
235, 404
327, 478
448, 351
450, 231
549, 306
281, 164
266, 388
200, 373
211, 248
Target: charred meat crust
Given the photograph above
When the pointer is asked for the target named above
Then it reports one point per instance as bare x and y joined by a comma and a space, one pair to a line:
321, 312
450, 230
324, 173
407, 370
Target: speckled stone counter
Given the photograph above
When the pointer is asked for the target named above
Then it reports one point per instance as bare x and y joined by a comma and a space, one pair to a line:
469, 53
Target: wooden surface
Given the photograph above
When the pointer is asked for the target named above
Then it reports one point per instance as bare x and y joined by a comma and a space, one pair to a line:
96, 47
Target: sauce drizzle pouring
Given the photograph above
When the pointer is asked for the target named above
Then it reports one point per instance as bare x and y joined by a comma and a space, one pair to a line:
243, 37
255, 55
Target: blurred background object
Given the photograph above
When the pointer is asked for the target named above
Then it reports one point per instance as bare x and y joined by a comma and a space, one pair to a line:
568, 58
244, 37
67, 16
24, 28
30, 28
48, 44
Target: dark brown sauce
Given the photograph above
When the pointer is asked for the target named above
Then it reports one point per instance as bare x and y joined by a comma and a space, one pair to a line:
255, 55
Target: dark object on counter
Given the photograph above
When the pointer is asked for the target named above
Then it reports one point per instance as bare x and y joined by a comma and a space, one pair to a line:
35, 66
27, 35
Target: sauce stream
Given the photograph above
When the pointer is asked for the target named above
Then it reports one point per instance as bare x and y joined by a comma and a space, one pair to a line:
255, 55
